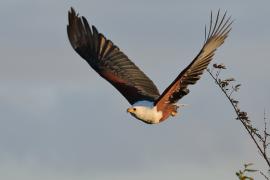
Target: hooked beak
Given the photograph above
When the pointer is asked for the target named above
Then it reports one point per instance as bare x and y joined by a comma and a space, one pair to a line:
130, 110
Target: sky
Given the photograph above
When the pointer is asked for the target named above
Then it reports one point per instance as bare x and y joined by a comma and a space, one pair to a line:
60, 121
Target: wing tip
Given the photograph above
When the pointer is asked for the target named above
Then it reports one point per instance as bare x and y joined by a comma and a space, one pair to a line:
218, 26
72, 11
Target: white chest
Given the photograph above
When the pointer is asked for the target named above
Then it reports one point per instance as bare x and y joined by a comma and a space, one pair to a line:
148, 115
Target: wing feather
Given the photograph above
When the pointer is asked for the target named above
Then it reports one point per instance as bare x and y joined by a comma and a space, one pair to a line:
107, 60
218, 32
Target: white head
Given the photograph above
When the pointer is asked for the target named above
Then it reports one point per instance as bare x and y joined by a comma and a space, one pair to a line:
137, 111
146, 114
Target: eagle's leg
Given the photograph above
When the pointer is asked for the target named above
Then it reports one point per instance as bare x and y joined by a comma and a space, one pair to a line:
174, 108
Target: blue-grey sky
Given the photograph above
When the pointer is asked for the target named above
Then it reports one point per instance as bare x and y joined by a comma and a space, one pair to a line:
60, 120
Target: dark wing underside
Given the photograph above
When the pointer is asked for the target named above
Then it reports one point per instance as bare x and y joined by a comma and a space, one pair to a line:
108, 61
218, 31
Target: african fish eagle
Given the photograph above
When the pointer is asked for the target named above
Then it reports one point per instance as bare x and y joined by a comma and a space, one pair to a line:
114, 66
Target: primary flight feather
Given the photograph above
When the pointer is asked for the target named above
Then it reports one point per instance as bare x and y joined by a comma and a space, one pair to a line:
114, 66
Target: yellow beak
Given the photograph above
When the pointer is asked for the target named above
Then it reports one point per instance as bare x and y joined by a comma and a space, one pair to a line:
130, 110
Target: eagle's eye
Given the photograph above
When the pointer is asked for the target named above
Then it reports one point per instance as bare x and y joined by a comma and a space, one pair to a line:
134, 109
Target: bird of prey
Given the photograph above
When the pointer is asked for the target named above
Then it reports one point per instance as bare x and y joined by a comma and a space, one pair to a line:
147, 104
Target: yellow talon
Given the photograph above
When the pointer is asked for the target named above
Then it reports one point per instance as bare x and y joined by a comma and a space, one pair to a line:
173, 113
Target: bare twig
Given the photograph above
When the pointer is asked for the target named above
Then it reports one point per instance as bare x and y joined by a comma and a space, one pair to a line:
267, 178
259, 139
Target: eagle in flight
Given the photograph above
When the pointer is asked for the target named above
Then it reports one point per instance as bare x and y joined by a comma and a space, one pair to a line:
147, 104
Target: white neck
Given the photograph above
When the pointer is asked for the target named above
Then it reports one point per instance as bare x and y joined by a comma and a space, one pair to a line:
148, 114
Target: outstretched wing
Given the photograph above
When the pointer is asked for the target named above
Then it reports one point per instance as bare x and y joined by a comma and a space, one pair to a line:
108, 61
218, 31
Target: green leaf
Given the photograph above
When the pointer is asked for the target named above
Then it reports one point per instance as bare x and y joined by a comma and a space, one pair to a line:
251, 170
